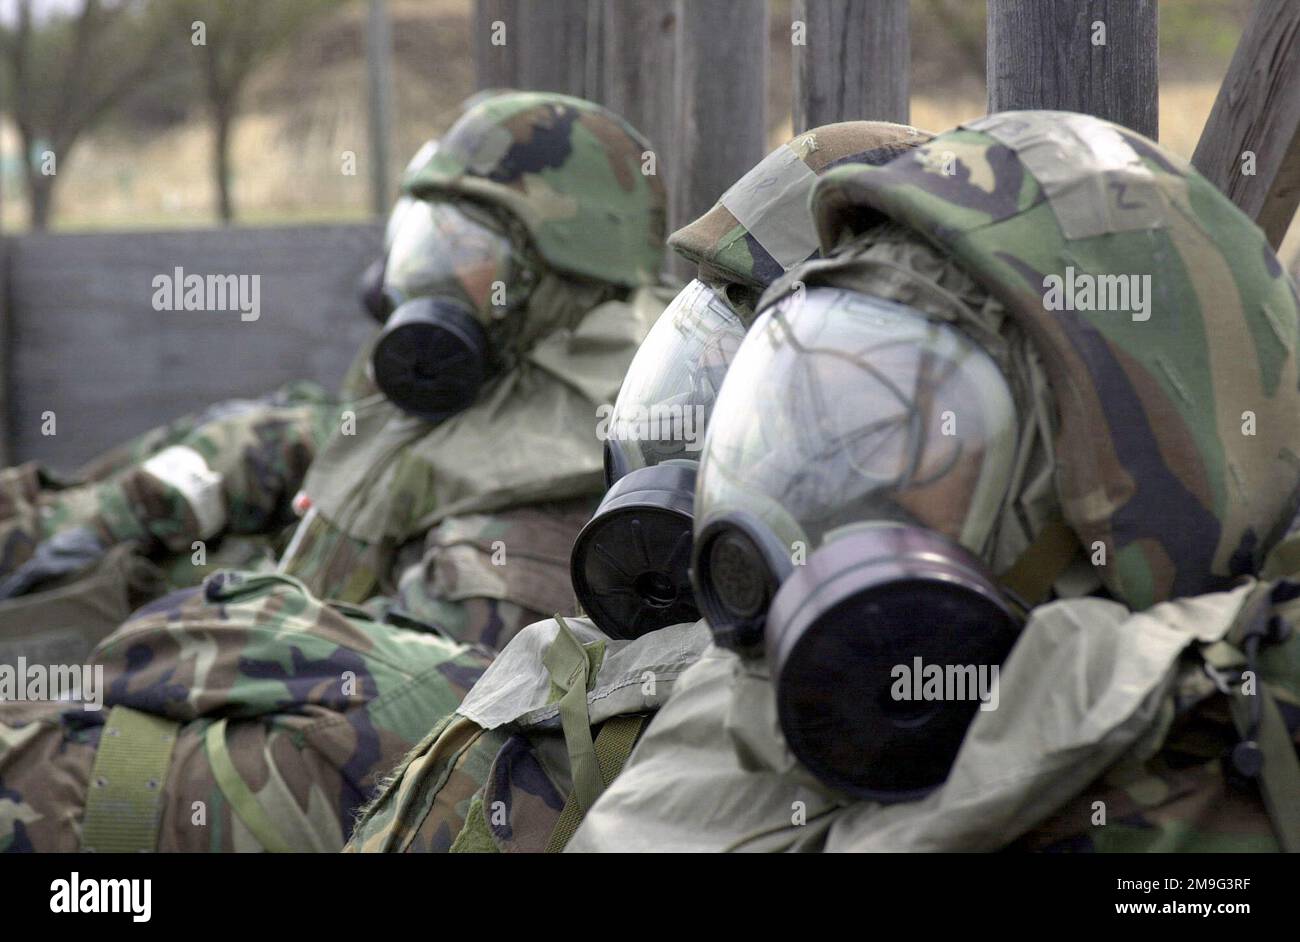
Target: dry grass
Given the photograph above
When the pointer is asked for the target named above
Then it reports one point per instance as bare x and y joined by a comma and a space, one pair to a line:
291, 168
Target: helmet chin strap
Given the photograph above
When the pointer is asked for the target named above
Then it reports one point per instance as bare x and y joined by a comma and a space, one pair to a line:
1030, 579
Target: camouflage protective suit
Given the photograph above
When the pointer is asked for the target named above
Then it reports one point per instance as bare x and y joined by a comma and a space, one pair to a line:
167, 508
1161, 713
498, 774
467, 523
282, 709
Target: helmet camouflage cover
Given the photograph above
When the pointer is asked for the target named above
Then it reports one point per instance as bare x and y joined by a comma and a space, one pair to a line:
1165, 323
569, 170
762, 227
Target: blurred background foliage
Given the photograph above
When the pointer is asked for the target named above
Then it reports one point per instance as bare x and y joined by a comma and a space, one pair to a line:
144, 123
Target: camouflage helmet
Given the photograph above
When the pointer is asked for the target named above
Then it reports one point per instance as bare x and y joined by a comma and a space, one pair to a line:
762, 227
568, 170
1178, 438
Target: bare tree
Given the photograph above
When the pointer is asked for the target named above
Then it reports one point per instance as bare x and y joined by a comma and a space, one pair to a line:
64, 76
233, 40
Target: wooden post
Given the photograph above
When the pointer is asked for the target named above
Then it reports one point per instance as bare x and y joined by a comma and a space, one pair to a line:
1250, 148
852, 59
1094, 56
640, 48
6, 348
496, 45
379, 82
594, 80
537, 45
721, 90
553, 46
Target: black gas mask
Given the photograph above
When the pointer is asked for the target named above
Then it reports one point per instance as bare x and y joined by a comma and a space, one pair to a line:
451, 271
630, 562
858, 461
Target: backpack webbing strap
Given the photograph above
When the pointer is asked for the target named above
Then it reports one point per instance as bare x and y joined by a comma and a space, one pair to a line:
614, 744
124, 800
1266, 751
1279, 772
237, 793
573, 666
1032, 575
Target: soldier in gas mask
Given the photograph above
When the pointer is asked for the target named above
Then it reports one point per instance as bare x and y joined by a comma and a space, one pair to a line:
549, 726
519, 282
988, 523
251, 714
164, 510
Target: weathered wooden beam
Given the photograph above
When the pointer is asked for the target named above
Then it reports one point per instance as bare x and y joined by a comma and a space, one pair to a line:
852, 59
639, 51
721, 91
379, 98
496, 45
1095, 56
539, 45
553, 50
1250, 148
594, 76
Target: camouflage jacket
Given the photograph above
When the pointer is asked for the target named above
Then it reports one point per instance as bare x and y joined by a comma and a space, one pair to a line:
481, 578
285, 712
497, 774
166, 509
230, 471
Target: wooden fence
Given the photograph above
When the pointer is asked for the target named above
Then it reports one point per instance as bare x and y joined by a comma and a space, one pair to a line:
86, 344
851, 61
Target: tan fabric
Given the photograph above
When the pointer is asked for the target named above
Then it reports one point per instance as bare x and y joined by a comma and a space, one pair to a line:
1086, 685
530, 437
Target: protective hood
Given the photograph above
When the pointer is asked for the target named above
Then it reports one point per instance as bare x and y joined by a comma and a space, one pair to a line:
517, 690
1087, 684
530, 437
